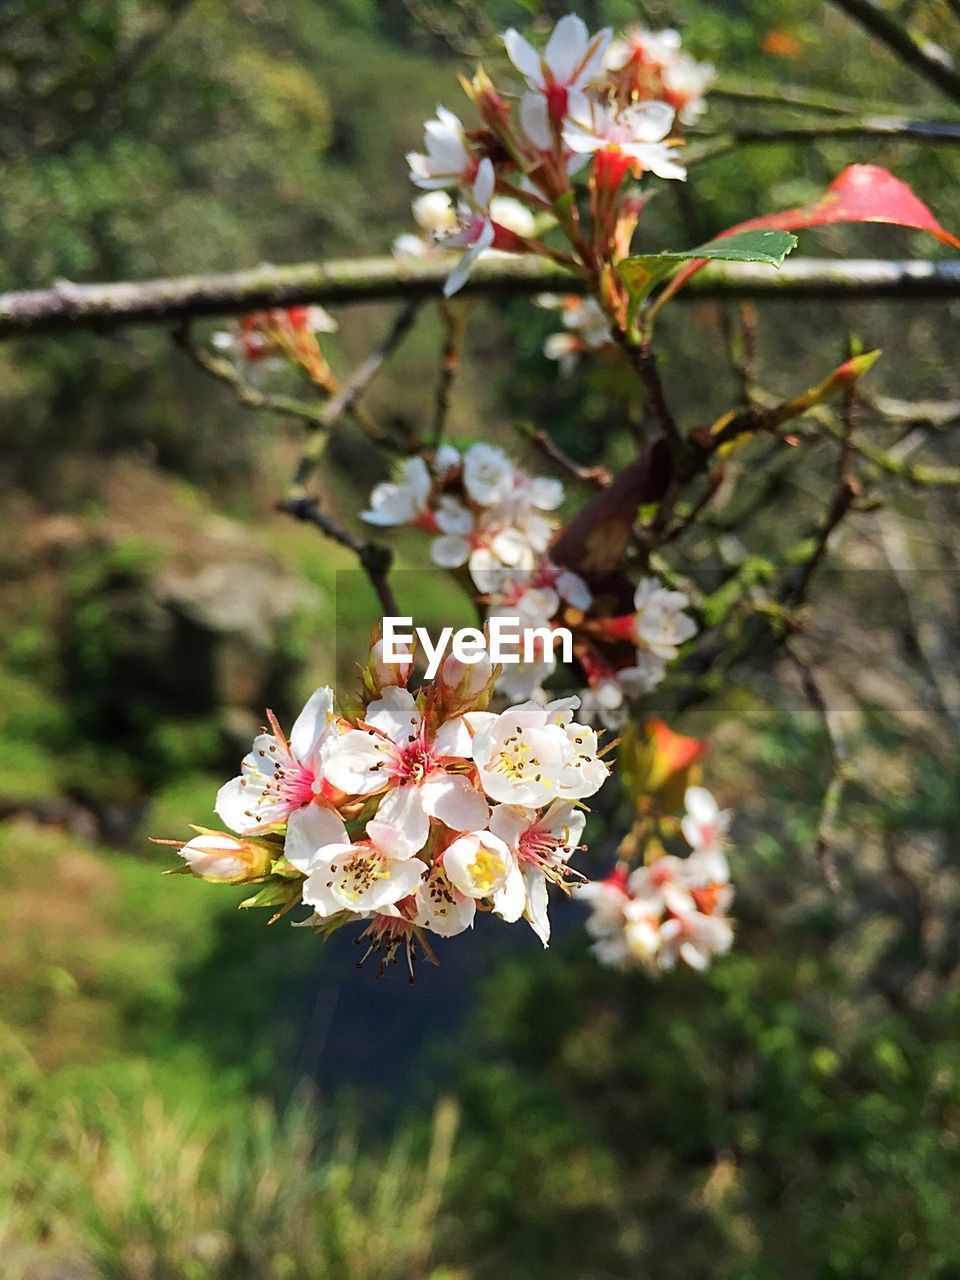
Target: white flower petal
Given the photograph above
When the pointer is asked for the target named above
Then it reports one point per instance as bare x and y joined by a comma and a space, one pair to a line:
453, 800
566, 47
441, 908
400, 826
478, 864
395, 714
450, 551
309, 831
510, 901
454, 738
523, 56
535, 120
311, 725
234, 805
356, 762
535, 883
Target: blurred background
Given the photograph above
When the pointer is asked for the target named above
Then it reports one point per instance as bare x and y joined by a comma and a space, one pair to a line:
185, 1094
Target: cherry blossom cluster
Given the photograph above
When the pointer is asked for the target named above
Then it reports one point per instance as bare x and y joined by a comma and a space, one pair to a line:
409, 811
487, 513
672, 909
653, 65
584, 111
494, 518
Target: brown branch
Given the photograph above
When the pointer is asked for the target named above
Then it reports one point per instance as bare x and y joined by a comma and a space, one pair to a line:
374, 558
69, 306
645, 363
923, 56
454, 323
795, 589
800, 99
345, 399
840, 758
599, 477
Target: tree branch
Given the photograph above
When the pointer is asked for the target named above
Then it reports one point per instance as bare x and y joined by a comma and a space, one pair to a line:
925, 57
374, 558
933, 131
354, 280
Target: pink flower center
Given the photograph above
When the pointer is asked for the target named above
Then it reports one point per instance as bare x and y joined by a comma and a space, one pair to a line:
415, 761
538, 848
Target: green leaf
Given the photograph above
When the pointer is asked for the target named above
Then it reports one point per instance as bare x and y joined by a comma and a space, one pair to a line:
641, 273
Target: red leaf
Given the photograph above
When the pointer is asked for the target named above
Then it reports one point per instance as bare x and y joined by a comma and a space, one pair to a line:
861, 193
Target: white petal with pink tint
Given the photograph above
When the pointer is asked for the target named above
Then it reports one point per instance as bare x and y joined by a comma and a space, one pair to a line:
309, 830
453, 800
400, 826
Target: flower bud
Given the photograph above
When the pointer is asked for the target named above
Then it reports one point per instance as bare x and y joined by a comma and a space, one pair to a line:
468, 678
223, 859
391, 673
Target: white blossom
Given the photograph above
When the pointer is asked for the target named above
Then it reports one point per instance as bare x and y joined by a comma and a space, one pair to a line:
531, 755
636, 132
401, 501
279, 777
659, 625
447, 162
542, 844
571, 60
393, 752
368, 875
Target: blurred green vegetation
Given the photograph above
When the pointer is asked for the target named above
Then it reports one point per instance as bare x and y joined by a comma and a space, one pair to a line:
795, 1113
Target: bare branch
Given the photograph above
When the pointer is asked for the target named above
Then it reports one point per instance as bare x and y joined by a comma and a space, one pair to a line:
898, 127
840, 771
374, 558
454, 323
598, 477
107, 306
925, 57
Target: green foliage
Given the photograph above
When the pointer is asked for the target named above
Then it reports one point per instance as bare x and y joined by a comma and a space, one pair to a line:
642, 272
118, 1188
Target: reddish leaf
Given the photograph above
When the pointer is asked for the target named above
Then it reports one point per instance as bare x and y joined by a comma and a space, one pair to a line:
861, 193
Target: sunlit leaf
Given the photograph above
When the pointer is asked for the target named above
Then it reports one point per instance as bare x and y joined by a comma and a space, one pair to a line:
861, 193
641, 273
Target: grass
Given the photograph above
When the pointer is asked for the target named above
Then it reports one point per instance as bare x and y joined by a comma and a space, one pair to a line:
103, 1186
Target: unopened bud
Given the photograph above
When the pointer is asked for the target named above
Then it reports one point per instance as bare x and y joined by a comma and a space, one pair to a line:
391, 673
468, 678
225, 859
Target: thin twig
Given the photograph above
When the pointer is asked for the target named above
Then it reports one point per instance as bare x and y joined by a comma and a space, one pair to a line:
898, 127
224, 371
645, 363
374, 558
599, 477
839, 775
454, 321
345, 399
798, 98
923, 56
